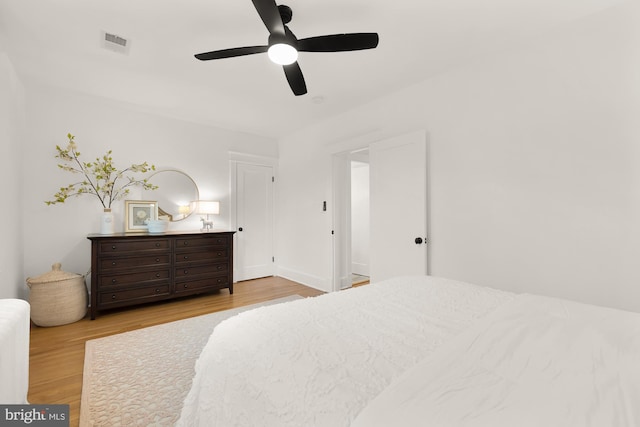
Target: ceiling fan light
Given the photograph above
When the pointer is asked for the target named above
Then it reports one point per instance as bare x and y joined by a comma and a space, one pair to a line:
283, 54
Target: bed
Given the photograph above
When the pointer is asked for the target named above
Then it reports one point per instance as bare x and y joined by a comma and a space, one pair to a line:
415, 351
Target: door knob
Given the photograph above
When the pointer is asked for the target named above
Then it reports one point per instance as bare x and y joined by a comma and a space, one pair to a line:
240, 229
418, 240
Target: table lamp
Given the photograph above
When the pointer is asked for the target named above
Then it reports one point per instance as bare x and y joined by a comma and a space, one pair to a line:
207, 207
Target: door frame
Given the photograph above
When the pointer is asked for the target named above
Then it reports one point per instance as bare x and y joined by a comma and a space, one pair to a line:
236, 158
341, 232
341, 192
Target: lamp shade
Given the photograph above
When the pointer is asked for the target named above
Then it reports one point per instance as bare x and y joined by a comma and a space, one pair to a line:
283, 54
206, 207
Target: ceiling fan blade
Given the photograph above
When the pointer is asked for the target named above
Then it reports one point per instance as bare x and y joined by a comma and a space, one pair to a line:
270, 15
339, 42
231, 53
295, 78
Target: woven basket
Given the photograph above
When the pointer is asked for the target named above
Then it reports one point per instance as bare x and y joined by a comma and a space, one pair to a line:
57, 297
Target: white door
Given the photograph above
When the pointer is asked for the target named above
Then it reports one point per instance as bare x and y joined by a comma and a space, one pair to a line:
254, 221
398, 197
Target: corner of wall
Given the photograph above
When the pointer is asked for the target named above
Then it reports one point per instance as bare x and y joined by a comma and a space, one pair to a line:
12, 122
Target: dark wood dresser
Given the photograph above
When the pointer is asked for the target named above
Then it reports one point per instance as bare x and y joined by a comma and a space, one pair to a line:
135, 268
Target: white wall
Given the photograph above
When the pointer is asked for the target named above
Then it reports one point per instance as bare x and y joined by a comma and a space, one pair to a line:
303, 229
11, 142
58, 233
534, 177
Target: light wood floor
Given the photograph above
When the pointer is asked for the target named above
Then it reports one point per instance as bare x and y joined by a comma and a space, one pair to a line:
57, 353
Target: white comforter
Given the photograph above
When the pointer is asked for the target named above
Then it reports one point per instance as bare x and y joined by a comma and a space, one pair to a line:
534, 362
319, 361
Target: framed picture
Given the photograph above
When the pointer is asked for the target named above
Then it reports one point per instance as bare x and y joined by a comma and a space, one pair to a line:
137, 212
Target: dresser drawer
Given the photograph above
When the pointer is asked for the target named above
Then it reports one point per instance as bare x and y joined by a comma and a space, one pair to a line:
133, 277
200, 270
202, 241
126, 246
202, 285
207, 255
122, 296
107, 264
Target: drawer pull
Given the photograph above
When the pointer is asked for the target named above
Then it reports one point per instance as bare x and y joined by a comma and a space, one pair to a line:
114, 281
219, 267
113, 296
157, 244
186, 286
185, 257
113, 247
157, 274
157, 291
186, 243
113, 263
219, 254
186, 271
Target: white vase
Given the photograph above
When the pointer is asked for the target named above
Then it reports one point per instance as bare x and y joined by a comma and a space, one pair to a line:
107, 225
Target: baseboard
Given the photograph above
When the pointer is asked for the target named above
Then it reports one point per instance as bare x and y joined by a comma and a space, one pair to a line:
359, 268
306, 279
345, 282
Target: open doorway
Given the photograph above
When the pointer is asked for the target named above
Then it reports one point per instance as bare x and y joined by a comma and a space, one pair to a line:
351, 228
360, 241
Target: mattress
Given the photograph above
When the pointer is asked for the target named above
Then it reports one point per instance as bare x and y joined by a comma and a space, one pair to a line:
320, 361
537, 361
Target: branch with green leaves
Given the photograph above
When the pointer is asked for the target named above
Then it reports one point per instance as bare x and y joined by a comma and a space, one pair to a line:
99, 178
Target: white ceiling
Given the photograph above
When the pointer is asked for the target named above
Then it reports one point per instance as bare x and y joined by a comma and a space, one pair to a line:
59, 42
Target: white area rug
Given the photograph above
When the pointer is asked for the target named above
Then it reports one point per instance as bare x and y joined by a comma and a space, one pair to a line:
140, 378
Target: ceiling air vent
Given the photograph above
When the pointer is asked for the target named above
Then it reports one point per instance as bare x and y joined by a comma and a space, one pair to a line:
116, 43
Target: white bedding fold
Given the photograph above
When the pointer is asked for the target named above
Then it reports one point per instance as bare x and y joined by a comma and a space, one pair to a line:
536, 361
319, 361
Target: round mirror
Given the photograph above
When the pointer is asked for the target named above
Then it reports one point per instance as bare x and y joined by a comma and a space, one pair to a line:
176, 190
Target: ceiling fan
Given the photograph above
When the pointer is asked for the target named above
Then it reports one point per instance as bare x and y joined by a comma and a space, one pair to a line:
283, 46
